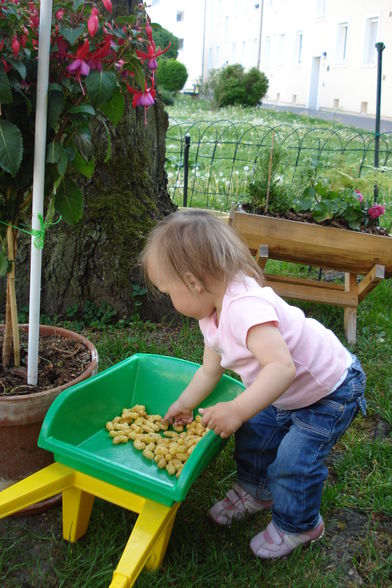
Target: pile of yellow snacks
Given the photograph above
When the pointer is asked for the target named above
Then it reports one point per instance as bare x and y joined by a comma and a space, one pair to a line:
168, 448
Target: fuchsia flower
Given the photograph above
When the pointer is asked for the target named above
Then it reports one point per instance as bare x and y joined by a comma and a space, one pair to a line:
79, 67
151, 55
96, 58
60, 14
376, 210
108, 5
15, 45
93, 23
145, 99
359, 195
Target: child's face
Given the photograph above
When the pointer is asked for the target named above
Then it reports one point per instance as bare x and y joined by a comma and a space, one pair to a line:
190, 299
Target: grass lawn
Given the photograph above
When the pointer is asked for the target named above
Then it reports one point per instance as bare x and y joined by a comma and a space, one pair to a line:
357, 499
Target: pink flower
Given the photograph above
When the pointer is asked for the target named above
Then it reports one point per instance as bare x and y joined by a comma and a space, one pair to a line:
93, 23
96, 58
145, 99
376, 210
151, 55
15, 45
108, 5
60, 14
149, 30
359, 195
79, 66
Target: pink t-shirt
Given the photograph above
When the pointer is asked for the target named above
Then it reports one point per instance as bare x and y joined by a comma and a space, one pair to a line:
319, 357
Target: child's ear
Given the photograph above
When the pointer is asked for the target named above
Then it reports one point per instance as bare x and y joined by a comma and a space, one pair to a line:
194, 283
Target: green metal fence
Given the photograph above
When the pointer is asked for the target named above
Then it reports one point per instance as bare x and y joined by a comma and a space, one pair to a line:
223, 156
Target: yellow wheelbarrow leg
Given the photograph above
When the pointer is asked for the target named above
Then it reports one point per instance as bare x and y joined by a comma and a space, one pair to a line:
39, 486
147, 543
77, 507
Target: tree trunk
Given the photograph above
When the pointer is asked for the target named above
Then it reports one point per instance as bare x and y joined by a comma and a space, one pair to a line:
96, 260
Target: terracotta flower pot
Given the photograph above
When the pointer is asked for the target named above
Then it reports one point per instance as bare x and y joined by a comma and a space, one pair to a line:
21, 418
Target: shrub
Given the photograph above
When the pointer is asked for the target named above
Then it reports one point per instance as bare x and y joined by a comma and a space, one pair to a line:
234, 86
171, 75
167, 96
162, 37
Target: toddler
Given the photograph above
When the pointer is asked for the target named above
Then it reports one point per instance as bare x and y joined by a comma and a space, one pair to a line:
302, 386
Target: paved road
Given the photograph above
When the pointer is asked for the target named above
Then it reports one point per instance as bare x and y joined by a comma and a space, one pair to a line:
362, 121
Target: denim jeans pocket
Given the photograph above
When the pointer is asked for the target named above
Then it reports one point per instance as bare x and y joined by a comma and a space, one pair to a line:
319, 419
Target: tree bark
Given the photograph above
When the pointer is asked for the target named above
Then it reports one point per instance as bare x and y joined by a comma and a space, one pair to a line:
96, 260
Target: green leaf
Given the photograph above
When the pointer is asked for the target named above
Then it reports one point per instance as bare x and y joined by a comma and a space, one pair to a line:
100, 86
77, 4
68, 201
71, 34
321, 212
5, 89
114, 109
53, 152
121, 20
19, 67
86, 168
109, 149
11, 147
83, 143
82, 108
56, 100
63, 162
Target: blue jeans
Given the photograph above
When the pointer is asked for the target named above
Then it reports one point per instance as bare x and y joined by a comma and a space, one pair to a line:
280, 454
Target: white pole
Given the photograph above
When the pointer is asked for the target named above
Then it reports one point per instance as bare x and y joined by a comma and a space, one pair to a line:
45, 20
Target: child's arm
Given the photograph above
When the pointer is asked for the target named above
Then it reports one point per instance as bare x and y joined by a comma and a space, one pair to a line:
276, 375
201, 385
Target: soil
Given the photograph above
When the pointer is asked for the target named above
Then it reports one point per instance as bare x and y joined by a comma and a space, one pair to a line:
306, 217
60, 360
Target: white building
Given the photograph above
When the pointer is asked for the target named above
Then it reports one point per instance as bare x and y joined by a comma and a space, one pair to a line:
315, 53
185, 19
321, 53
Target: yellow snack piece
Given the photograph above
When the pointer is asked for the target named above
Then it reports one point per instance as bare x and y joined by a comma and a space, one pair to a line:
120, 439
168, 448
148, 454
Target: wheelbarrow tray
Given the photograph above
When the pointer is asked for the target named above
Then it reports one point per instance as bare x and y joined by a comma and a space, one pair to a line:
74, 426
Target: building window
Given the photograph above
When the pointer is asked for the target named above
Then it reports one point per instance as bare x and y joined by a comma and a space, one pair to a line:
341, 44
320, 8
282, 41
155, 2
180, 44
267, 51
298, 47
233, 52
180, 16
369, 55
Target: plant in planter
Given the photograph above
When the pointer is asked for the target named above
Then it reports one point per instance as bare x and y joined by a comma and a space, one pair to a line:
332, 197
95, 61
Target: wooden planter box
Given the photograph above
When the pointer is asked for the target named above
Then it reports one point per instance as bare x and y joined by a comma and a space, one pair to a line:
356, 254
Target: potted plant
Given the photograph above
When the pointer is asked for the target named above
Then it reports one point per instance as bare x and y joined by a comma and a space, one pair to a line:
95, 62
328, 223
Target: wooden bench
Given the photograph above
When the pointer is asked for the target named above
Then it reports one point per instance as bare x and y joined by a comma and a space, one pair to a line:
365, 260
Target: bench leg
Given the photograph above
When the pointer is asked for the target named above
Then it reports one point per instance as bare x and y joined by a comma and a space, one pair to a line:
350, 324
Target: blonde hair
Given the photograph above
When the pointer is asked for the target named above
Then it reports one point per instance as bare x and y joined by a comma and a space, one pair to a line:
198, 242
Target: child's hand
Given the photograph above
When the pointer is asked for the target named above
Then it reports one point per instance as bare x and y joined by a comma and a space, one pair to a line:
222, 418
178, 414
